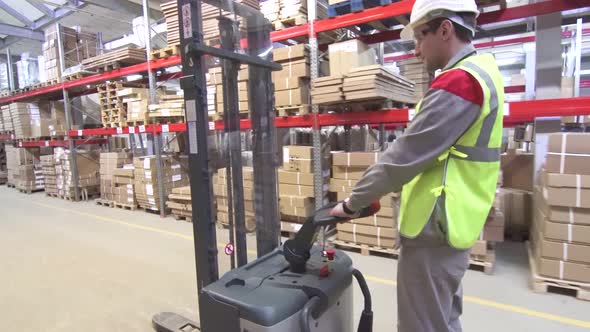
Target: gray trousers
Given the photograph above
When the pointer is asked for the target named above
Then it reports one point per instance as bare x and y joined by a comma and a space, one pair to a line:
429, 291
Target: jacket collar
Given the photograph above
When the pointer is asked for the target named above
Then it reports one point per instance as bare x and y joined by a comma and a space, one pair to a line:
465, 52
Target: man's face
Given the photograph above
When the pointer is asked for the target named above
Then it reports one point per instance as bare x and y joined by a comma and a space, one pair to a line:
429, 47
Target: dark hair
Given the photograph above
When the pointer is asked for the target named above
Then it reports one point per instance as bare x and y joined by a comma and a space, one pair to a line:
462, 32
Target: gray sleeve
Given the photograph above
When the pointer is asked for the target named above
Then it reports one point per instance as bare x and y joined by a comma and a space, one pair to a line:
443, 118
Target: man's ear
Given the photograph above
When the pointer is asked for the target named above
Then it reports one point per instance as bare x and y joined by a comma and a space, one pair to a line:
446, 30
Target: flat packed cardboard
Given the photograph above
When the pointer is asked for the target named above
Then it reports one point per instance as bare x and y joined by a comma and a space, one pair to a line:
517, 171
575, 143
479, 248
349, 54
354, 159
563, 270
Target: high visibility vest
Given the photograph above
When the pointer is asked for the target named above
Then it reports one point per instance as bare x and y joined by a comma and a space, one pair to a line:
464, 178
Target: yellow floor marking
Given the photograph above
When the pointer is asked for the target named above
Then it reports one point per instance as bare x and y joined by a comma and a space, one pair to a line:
470, 299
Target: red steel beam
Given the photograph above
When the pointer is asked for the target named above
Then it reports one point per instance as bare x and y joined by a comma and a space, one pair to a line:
58, 143
508, 14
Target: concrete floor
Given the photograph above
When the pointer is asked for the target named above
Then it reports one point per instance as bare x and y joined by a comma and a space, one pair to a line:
81, 267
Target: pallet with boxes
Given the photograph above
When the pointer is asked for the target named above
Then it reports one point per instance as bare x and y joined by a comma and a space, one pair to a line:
123, 104
220, 190
7, 125
559, 251
88, 165
292, 83
180, 203
37, 120
27, 173
115, 59
170, 109
296, 186
146, 181
77, 46
48, 164
216, 79
11, 165
415, 70
109, 162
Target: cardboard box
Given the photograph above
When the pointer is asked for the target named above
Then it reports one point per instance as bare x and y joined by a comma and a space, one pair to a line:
517, 171
348, 173
290, 53
361, 234
566, 252
349, 54
296, 201
303, 212
493, 230
297, 190
376, 221
299, 68
480, 248
355, 159
123, 172
297, 152
563, 270
305, 165
576, 196
299, 96
307, 179
286, 83
567, 163
571, 143
558, 214
563, 232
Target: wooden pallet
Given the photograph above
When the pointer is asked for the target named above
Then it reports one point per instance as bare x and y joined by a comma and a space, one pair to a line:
105, 202
540, 284
221, 117
30, 191
115, 59
166, 52
54, 81
10, 185
75, 76
366, 250
56, 195
294, 110
131, 207
484, 263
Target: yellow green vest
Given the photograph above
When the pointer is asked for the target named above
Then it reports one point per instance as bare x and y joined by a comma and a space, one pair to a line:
465, 177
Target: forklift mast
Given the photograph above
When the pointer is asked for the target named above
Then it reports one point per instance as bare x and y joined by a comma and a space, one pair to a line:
258, 57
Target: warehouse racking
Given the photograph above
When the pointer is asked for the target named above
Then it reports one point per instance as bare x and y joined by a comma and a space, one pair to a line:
518, 112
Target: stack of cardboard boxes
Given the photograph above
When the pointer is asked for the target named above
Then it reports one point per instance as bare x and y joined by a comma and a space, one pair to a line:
48, 164
292, 82
30, 120
379, 230
11, 165
216, 79
77, 46
109, 162
220, 191
516, 192
211, 33
30, 175
3, 171
179, 203
124, 186
88, 163
174, 175
296, 186
6, 118
560, 236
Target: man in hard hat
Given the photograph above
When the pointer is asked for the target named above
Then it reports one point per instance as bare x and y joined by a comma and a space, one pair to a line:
446, 165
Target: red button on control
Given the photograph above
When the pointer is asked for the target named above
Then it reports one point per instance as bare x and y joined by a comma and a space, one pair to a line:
330, 253
324, 271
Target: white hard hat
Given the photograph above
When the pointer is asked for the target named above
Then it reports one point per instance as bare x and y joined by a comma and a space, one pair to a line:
426, 10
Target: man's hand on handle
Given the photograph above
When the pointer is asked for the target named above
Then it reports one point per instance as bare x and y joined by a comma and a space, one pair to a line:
342, 210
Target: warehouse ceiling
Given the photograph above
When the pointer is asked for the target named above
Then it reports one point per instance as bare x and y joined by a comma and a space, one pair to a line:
22, 22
